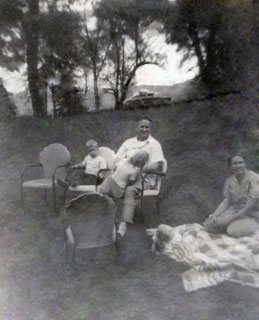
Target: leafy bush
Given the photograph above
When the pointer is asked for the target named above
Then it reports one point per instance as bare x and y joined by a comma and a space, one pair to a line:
67, 100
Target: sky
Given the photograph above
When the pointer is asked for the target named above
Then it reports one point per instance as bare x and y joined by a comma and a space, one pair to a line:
171, 71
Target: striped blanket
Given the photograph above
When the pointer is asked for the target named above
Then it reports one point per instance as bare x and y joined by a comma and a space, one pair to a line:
213, 258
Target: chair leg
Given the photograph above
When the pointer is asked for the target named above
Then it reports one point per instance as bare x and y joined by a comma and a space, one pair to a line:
70, 246
70, 253
23, 199
142, 207
54, 197
158, 208
46, 195
65, 196
141, 203
114, 232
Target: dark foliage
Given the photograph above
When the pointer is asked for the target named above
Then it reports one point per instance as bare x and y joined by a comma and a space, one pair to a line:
67, 100
218, 33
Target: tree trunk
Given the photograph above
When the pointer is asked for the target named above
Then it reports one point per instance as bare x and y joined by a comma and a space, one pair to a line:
125, 86
32, 43
122, 98
96, 94
213, 73
117, 105
193, 33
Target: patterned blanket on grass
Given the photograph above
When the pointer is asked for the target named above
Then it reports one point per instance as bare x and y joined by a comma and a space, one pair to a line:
213, 258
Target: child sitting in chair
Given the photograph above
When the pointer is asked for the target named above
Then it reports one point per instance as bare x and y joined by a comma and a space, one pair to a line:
91, 164
128, 172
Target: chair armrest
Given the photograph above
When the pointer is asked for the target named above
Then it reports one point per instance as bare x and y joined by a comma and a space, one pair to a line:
144, 175
56, 169
71, 168
30, 166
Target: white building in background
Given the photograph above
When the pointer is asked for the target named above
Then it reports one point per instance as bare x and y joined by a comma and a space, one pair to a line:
22, 100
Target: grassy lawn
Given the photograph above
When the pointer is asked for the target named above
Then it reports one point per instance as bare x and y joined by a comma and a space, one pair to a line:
35, 284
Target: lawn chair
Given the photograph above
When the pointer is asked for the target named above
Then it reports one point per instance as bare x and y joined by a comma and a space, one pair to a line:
155, 193
89, 223
53, 160
109, 157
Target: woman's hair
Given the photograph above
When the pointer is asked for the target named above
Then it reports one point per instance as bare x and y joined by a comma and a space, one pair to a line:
140, 158
91, 143
230, 158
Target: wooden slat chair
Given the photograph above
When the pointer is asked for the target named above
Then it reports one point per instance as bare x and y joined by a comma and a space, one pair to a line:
109, 157
53, 160
89, 222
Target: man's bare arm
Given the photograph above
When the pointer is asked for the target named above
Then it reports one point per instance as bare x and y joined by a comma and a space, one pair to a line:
155, 167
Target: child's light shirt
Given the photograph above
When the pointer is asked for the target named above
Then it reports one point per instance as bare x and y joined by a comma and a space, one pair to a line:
125, 172
93, 165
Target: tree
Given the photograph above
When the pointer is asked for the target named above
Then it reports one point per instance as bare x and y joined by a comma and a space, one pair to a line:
30, 25
59, 42
95, 46
216, 32
129, 48
20, 38
59, 54
11, 44
22, 35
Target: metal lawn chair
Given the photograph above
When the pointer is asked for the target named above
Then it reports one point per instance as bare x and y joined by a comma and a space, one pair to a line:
53, 160
109, 157
89, 223
155, 193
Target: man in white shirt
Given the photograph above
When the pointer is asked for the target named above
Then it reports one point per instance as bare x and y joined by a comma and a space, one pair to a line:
143, 141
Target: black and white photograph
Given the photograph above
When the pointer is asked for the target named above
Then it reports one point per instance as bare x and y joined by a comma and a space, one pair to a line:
129, 155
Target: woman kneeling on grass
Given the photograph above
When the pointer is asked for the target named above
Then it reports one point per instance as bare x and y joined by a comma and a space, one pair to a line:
238, 214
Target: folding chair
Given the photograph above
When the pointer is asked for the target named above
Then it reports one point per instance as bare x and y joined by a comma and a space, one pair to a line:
109, 157
89, 223
53, 160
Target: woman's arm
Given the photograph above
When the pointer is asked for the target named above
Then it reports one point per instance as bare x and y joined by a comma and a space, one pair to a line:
246, 209
221, 208
211, 221
253, 197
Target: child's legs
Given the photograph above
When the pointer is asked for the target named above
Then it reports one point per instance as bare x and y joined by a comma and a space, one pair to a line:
87, 179
132, 193
129, 204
